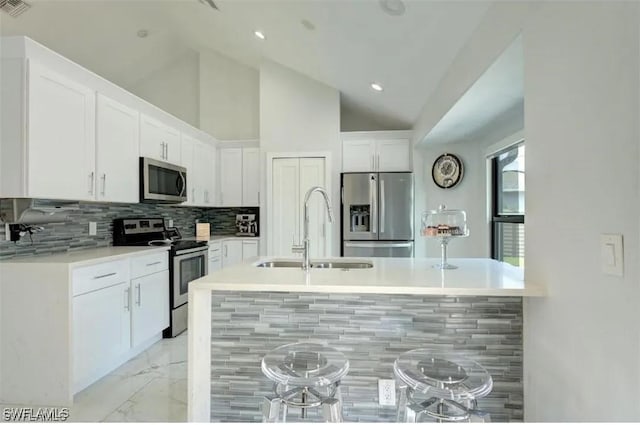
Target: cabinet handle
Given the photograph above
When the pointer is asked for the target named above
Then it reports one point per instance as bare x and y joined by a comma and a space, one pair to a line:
153, 264
127, 299
162, 150
258, 198
226, 250
139, 299
91, 175
104, 184
373, 162
193, 194
167, 155
102, 276
378, 165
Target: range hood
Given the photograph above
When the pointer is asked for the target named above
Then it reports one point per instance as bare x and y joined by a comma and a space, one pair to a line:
35, 211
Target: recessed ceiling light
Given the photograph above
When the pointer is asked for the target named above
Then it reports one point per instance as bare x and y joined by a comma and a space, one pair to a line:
260, 35
308, 24
376, 86
393, 7
143, 33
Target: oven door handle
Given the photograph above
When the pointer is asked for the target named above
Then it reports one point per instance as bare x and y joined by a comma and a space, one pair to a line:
191, 251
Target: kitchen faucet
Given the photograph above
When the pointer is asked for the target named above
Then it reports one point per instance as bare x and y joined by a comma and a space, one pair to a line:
304, 248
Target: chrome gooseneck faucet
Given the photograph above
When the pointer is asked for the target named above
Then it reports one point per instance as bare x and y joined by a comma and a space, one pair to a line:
304, 248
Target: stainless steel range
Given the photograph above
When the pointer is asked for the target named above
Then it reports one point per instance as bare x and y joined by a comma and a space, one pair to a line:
187, 261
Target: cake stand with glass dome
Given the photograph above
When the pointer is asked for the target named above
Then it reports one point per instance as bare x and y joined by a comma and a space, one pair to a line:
444, 225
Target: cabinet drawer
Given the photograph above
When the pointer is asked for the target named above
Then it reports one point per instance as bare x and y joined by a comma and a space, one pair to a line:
98, 276
142, 266
215, 249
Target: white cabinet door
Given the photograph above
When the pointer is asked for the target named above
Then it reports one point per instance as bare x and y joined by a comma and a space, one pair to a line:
215, 263
251, 177
101, 332
284, 206
312, 174
203, 161
159, 141
393, 155
150, 300
358, 156
249, 249
186, 153
117, 157
231, 177
231, 253
61, 136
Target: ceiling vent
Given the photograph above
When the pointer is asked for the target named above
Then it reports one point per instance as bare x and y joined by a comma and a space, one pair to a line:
209, 3
14, 7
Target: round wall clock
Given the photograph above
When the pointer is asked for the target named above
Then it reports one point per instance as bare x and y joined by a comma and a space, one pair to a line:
447, 171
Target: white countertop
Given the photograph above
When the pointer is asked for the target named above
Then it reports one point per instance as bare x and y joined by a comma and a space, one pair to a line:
474, 276
87, 257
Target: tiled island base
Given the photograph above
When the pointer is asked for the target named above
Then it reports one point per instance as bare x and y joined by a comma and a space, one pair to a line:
371, 330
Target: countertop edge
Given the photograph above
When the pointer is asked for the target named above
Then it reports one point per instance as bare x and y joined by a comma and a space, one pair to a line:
47, 260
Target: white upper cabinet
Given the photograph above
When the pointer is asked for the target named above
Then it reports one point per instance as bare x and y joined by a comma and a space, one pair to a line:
376, 152
239, 177
358, 156
117, 157
393, 155
159, 141
231, 177
251, 177
60, 137
198, 158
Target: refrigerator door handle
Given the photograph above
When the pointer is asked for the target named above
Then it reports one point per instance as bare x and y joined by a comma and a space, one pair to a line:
377, 245
382, 205
373, 194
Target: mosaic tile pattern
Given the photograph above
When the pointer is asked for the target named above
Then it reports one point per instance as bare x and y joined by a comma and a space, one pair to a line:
74, 234
371, 330
223, 220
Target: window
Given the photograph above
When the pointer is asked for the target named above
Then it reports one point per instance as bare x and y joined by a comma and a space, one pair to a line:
508, 206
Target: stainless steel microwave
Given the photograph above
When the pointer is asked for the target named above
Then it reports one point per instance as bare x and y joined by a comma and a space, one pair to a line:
162, 182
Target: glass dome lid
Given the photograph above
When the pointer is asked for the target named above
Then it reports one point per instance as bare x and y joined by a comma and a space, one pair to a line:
444, 222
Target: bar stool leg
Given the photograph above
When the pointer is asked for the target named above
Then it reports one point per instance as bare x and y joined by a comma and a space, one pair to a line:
411, 413
402, 403
332, 410
271, 409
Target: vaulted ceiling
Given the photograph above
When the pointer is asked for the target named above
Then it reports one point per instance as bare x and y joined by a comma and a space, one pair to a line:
346, 44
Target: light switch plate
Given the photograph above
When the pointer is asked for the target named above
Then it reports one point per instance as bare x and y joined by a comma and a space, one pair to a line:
387, 392
93, 228
612, 254
7, 232
170, 222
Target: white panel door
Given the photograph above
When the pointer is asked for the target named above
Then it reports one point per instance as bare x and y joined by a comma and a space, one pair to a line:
251, 177
284, 206
231, 177
150, 300
172, 139
117, 155
312, 172
358, 156
393, 155
101, 332
187, 154
231, 253
61, 129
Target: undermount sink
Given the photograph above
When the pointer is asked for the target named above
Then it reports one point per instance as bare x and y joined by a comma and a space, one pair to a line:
317, 264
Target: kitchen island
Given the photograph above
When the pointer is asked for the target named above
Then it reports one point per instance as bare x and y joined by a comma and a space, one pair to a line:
371, 314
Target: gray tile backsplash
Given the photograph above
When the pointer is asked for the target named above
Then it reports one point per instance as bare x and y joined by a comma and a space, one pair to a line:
74, 234
371, 330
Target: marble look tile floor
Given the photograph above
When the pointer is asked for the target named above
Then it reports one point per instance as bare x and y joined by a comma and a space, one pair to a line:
151, 387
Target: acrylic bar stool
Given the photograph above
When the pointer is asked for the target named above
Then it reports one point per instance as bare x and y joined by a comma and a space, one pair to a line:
305, 376
445, 387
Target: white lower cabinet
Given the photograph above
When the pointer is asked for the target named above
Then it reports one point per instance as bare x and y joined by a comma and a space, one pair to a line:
231, 252
249, 249
101, 332
118, 307
215, 256
150, 306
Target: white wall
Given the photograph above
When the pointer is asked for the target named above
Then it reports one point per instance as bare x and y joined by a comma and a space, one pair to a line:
582, 342
229, 93
174, 88
468, 195
298, 114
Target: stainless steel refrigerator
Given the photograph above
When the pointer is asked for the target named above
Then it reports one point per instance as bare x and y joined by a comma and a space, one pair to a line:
377, 215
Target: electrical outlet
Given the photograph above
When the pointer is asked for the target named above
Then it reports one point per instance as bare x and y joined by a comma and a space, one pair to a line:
387, 392
170, 222
7, 232
93, 228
